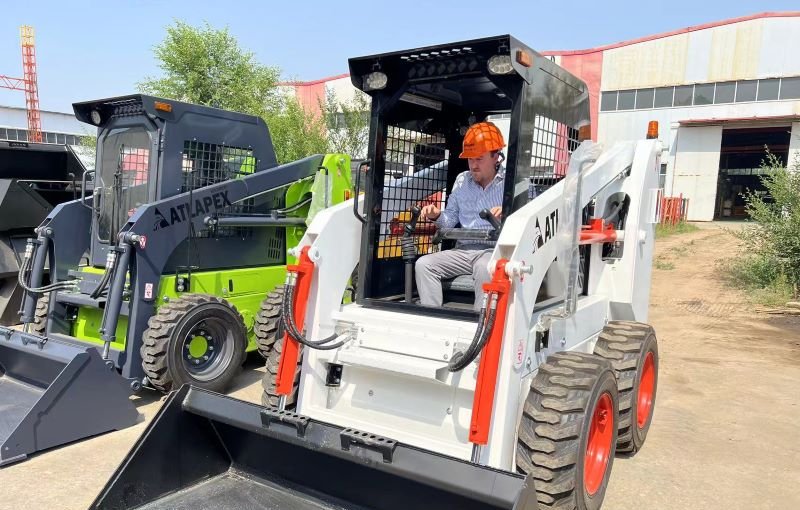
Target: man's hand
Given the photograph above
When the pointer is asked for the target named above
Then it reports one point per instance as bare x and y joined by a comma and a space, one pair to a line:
497, 212
430, 212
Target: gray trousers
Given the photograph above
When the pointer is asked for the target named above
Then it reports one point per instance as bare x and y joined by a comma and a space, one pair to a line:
430, 270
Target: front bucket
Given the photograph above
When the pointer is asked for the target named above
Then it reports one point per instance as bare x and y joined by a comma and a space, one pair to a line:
204, 450
55, 392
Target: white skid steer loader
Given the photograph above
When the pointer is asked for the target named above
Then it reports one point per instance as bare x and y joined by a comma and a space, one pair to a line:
384, 403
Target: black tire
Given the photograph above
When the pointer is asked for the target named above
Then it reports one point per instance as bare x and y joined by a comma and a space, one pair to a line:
167, 358
553, 434
39, 324
627, 345
270, 397
267, 324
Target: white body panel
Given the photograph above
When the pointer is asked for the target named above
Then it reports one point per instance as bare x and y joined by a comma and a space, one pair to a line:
395, 380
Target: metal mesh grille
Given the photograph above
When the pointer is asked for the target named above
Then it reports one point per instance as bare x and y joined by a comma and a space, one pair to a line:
205, 164
552, 145
134, 171
415, 173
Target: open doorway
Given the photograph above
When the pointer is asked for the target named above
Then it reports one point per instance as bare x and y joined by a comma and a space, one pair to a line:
741, 154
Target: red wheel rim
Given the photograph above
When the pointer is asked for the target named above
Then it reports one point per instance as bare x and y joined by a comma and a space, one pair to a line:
598, 445
644, 400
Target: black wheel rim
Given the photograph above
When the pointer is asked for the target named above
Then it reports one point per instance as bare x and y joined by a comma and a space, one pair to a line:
207, 349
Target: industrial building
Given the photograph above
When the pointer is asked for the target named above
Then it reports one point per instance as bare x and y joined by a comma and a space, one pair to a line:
61, 128
722, 93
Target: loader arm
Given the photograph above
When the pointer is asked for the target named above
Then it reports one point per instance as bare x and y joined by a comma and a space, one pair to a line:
155, 230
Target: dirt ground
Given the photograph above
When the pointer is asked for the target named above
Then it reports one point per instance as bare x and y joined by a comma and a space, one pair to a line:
725, 433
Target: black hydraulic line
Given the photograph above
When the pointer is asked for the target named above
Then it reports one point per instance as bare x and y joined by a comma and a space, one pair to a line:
292, 208
287, 316
607, 219
111, 259
462, 360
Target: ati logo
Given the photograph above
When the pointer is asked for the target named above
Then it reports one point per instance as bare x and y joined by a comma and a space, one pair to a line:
550, 229
182, 212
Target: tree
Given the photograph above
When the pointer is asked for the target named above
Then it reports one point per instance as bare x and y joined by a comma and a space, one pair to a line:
204, 65
348, 123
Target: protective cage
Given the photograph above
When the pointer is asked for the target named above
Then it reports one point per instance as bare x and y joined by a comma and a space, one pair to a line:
418, 120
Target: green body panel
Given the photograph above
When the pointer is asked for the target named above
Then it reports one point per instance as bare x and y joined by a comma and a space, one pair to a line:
250, 285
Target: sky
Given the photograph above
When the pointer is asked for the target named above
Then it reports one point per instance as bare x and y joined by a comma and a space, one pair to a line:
91, 49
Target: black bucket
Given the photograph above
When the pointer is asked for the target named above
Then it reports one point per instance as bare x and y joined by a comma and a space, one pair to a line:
54, 392
204, 450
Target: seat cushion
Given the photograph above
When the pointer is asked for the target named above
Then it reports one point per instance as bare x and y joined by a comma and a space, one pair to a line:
463, 283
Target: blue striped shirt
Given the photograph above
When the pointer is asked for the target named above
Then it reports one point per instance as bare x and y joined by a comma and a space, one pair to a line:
467, 200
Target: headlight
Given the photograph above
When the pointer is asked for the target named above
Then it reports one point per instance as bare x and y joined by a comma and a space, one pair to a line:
96, 118
500, 64
375, 81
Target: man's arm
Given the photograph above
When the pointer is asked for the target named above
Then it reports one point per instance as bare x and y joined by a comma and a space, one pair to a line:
449, 216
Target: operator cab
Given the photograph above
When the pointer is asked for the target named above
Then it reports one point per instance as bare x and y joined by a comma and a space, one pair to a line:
423, 101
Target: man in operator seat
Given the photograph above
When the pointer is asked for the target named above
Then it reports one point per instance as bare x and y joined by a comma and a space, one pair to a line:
480, 187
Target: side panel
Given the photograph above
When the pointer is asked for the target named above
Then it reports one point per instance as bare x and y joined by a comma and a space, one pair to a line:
244, 288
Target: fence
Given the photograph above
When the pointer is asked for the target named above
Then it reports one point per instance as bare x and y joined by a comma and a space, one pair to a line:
672, 210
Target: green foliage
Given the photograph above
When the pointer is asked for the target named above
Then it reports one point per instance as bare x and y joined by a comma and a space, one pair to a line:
760, 277
204, 65
774, 235
295, 132
770, 265
347, 123
682, 227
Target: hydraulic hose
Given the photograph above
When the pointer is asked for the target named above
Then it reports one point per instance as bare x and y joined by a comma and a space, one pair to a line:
292, 208
287, 317
462, 360
25, 269
111, 260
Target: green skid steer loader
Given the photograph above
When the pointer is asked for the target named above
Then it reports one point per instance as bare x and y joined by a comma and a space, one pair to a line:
158, 277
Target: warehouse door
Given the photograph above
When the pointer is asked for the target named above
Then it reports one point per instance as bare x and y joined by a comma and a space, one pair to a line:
742, 153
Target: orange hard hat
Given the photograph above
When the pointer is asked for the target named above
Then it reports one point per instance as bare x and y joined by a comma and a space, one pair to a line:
481, 138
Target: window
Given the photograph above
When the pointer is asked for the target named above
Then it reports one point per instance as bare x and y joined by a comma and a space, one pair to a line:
683, 95
746, 90
663, 97
725, 92
627, 100
60, 138
22, 135
704, 93
49, 137
790, 88
768, 89
608, 102
662, 175
3, 135
644, 98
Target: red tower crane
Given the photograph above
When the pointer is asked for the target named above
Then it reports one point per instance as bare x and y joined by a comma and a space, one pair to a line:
28, 83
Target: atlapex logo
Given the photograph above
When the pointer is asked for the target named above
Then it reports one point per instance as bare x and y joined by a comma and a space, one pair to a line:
183, 212
550, 229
